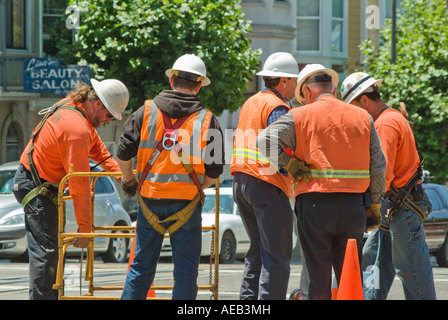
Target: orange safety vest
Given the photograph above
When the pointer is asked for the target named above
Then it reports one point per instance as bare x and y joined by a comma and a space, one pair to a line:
333, 138
168, 178
246, 158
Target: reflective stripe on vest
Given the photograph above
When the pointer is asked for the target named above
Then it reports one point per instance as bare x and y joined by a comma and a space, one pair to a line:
250, 154
341, 174
168, 175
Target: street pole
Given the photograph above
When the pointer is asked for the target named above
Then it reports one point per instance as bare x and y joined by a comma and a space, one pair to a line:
394, 32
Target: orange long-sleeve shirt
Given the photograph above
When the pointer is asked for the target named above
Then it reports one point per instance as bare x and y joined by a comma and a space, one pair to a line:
68, 138
398, 143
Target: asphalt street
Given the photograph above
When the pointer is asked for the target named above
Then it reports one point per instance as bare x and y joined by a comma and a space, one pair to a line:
14, 280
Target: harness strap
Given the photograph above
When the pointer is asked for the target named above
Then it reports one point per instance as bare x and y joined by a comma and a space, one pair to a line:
182, 216
158, 150
409, 203
42, 188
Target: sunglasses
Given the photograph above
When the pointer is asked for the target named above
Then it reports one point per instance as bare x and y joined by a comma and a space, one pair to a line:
109, 115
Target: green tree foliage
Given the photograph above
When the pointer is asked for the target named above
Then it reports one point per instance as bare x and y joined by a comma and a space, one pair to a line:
419, 78
135, 41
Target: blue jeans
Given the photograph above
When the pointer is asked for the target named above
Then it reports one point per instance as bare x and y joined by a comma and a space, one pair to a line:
186, 251
403, 252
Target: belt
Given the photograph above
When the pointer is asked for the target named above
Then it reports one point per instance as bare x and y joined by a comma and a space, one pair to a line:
46, 189
413, 196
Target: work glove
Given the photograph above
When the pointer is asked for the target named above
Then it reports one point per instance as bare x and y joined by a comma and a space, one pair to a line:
129, 188
373, 217
298, 169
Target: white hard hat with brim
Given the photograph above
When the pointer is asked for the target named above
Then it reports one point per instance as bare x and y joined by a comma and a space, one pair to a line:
280, 64
113, 94
190, 64
356, 84
312, 70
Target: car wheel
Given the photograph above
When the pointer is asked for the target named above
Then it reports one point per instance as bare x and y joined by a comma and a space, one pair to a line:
228, 248
442, 254
117, 251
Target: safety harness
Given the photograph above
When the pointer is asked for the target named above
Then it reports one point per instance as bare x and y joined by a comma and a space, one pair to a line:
46, 189
170, 142
404, 195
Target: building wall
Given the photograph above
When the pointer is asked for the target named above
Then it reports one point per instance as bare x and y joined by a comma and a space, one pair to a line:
274, 28
354, 35
18, 109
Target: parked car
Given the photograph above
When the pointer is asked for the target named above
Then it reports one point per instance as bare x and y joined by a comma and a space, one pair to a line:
436, 224
233, 239
108, 208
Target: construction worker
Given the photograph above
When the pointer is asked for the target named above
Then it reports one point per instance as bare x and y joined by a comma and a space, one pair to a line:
173, 137
341, 146
66, 136
262, 192
398, 246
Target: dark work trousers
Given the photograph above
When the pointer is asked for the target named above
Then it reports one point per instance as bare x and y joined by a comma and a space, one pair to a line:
267, 216
41, 221
326, 221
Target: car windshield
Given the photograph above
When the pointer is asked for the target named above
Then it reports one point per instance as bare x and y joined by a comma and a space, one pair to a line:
225, 204
6, 181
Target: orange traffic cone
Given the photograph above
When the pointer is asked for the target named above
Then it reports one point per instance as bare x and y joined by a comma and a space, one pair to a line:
151, 293
350, 286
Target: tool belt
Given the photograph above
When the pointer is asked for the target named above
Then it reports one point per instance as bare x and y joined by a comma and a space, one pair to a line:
406, 196
169, 142
46, 189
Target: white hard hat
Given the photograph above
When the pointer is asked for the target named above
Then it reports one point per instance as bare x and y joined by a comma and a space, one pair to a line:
191, 64
357, 83
280, 64
309, 71
113, 94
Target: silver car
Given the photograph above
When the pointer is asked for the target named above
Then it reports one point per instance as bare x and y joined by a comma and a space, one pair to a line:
233, 239
109, 211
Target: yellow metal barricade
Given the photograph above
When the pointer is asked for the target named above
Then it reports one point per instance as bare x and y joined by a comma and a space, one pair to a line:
68, 239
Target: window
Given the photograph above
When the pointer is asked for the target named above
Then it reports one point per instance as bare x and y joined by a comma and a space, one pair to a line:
226, 204
434, 199
103, 186
337, 27
322, 29
308, 25
54, 27
15, 24
12, 144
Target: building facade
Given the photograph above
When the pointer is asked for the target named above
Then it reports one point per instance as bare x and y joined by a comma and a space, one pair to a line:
328, 32
23, 36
